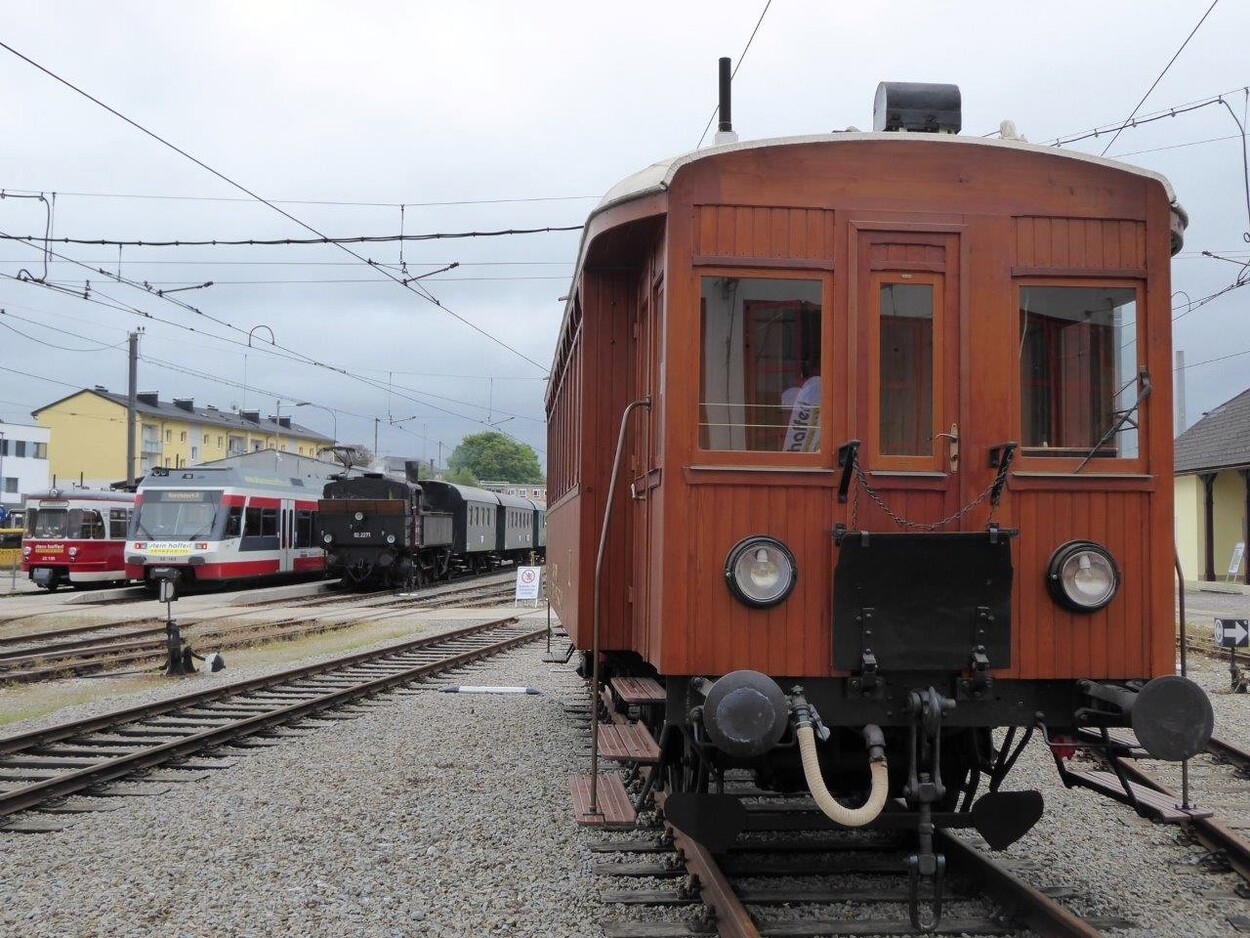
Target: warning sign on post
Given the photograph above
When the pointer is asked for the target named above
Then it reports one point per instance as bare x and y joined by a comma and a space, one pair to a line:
528, 582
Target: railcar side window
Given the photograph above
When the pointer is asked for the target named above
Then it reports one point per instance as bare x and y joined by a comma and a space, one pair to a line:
760, 362
1078, 370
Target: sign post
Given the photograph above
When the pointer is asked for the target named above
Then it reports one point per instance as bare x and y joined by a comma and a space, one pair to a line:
528, 581
1233, 634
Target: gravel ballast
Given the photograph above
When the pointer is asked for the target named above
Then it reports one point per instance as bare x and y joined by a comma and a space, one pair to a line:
447, 815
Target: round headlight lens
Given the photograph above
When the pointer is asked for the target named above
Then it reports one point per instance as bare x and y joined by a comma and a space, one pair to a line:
359, 516
760, 571
327, 538
390, 538
1082, 576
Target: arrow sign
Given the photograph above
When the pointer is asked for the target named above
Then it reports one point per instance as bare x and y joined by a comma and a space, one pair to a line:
1232, 633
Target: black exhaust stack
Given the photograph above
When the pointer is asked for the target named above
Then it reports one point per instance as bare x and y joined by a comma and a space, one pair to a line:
725, 128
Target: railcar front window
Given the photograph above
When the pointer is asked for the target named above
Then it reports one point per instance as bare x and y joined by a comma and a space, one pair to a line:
760, 362
1078, 371
175, 515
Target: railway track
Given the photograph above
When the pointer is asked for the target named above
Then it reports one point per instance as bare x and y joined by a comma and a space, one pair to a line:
46, 655
39, 770
792, 874
1218, 797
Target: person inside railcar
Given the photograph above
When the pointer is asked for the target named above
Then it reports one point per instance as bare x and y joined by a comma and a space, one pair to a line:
803, 433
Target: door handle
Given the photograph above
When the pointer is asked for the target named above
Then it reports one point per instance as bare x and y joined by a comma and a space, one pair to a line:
953, 436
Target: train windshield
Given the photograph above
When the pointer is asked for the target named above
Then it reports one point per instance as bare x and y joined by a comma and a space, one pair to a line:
175, 515
761, 386
47, 522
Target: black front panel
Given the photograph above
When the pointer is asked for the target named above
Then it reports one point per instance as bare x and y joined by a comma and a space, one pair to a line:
922, 602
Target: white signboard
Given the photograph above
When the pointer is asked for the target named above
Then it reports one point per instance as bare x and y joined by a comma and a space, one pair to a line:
1232, 633
1239, 551
528, 581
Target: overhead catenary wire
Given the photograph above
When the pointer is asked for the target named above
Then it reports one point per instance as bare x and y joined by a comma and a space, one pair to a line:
1155, 84
407, 285
734, 73
282, 352
275, 242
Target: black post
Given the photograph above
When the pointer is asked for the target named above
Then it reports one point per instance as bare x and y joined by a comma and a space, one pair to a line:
725, 124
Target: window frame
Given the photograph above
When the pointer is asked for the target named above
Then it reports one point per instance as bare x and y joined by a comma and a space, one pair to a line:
1066, 466
768, 459
936, 460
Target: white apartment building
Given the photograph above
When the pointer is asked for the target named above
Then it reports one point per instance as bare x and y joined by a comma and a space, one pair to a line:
23, 462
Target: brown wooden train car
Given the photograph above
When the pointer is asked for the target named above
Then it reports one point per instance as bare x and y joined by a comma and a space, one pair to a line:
900, 392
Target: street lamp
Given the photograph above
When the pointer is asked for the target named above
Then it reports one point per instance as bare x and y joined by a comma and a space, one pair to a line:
333, 416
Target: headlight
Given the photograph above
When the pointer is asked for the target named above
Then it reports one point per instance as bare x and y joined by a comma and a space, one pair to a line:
760, 571
359, 516
26, 551
327, 538
390, 538
1082, 576
73, 552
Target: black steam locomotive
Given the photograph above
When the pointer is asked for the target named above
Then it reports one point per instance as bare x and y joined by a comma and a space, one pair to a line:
379, 532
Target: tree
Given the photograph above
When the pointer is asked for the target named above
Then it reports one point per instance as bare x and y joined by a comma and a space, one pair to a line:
494, 456
461, 476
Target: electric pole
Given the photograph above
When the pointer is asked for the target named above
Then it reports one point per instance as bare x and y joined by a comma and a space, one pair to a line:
132, 390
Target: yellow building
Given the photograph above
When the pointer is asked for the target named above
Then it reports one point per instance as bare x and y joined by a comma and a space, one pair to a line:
1213, 493
88, 435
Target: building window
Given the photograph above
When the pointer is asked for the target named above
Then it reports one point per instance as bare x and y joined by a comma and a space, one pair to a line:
169, 436
257, 445
182, 438
41, 450
206, 440
4, 447
218, 442
19, 447
10, 484
195, 452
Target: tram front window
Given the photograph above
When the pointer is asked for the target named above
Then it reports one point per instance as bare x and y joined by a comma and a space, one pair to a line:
49, 522
175, 515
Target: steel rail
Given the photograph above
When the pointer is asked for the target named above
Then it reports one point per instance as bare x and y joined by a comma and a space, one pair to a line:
730, 916
1234, 755
30, 795
23, 741
1209, 831
1033, 908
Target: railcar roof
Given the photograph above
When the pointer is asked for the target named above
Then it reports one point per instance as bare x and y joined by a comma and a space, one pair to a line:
198, 477
659, 176
75, 495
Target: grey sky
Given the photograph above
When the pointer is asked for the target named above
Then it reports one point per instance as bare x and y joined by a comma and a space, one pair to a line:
422, 103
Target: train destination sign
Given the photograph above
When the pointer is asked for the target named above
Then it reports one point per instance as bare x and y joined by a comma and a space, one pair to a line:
1232, 633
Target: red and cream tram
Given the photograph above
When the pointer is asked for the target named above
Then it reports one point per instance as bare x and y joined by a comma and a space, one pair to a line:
76, 537
214, 524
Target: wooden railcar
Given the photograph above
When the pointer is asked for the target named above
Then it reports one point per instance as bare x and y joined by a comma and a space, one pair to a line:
931, 376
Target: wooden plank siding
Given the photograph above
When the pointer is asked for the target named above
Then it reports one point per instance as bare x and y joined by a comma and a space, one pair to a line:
1080, 243
984, 218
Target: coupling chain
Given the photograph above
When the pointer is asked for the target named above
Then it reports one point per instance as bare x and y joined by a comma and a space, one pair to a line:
861, 481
